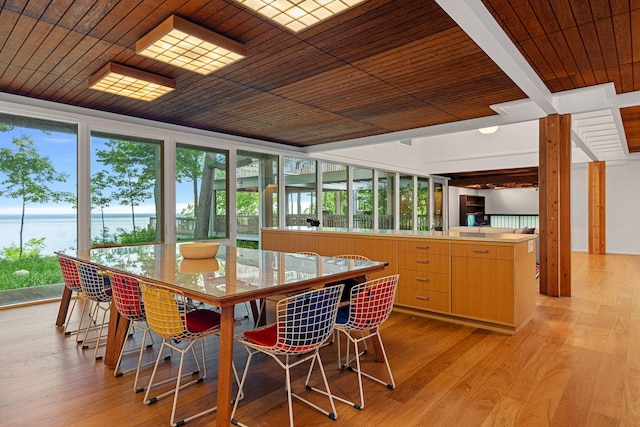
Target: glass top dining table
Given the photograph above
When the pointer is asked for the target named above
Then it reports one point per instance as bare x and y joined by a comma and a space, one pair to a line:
233, 276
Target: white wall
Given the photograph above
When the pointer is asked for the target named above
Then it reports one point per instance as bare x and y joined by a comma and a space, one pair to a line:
623, 207
579, 208
511, 201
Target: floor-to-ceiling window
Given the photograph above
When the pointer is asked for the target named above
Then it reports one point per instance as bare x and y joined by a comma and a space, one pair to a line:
386, 200
406, 202
201, 193
118, 196
126, 189
300, 191
38, 195
256, 194
335, 200
422, 204
439, 201
362, 198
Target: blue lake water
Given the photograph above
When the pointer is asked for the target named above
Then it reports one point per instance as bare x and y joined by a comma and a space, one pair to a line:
59, 230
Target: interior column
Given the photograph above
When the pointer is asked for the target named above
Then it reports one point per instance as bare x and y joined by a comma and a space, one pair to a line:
597, 208
554, 175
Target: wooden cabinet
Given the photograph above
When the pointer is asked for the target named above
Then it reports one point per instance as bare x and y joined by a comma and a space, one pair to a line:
424, 274
472, 210
487, 282
492, 282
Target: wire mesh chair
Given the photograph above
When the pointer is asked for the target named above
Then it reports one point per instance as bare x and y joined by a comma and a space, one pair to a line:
95, 284
308, 253
349, 283
304, 322
72, 282
353, 257
273, 299
175, 320
369, 306
128, 300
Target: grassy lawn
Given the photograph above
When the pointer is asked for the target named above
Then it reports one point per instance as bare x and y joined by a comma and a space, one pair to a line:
43, 270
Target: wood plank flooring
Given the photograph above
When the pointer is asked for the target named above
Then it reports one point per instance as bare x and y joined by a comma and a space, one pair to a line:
577, 363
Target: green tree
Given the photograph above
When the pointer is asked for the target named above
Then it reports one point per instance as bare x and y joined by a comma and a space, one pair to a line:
214, 164
247, 203
99, 198
189, 164
131, 172
28, 176
423, 201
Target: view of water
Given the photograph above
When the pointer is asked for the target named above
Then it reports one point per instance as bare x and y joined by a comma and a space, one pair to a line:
59, 230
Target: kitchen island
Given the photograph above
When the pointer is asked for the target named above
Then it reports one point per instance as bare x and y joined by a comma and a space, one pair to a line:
483, 280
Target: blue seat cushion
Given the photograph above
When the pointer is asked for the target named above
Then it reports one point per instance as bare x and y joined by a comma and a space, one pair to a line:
343, 315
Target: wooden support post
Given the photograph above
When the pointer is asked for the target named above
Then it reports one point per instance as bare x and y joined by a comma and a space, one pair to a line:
555, 205
597, 209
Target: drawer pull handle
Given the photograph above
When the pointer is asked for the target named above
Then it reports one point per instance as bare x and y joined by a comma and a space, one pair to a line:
422, 261
481, 251
422, 279
422, 247
421, 297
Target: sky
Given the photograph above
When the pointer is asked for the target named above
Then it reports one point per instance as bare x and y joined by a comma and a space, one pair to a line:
61, 149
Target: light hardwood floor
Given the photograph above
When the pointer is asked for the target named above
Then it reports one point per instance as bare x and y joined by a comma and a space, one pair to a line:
577, 363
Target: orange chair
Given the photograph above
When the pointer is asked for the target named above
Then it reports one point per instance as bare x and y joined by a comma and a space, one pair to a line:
72, 282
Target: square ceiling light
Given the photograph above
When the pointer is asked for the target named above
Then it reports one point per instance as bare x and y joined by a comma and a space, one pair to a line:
131, 82
297, 15
184, 44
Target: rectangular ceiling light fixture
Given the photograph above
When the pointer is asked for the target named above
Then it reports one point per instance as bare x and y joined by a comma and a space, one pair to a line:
131, 82
297, 15
184, 44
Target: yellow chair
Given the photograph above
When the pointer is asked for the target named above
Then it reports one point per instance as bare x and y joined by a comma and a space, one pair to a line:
172, 318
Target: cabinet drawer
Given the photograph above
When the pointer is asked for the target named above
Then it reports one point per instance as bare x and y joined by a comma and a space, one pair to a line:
424, 262
482, 251
424, 280
429, 300
423, 246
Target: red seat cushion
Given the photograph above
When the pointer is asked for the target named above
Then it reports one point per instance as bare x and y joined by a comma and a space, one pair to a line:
265, 336
268, 337
202, 320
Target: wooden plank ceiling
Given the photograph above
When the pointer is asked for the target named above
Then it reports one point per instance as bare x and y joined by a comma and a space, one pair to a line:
383, 66
573, 44
494, 179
